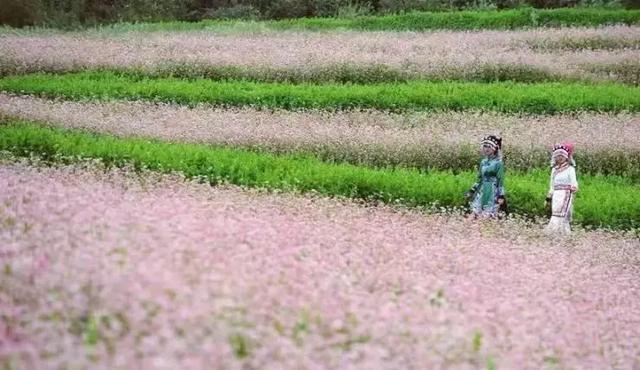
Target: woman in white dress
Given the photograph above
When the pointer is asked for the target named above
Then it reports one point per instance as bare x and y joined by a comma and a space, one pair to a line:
562, 189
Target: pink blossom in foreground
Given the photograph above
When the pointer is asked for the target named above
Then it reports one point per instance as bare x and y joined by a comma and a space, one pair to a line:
430, 54
113, 271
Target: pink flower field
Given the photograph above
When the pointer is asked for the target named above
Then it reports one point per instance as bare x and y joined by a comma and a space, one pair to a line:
112, 270
421, 54
416, 131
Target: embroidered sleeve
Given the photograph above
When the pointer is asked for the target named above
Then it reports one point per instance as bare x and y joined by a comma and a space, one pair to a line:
550, 193
500, 178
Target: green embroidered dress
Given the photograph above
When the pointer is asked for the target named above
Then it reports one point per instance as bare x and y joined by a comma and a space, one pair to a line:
488, 187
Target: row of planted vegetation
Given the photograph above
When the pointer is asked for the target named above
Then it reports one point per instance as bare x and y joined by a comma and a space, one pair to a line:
424, 21
609, 201
548, 55
626, 72
509, 97
400, 16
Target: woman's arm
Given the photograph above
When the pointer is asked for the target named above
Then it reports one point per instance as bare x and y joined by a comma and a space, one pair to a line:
500, 179
550, 192
573, 179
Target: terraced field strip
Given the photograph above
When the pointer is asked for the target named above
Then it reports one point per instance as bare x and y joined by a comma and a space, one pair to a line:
419, 21
537, 55
542, 98
604, 201
606, 143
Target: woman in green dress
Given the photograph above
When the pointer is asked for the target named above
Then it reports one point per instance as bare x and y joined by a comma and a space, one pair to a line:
487, 195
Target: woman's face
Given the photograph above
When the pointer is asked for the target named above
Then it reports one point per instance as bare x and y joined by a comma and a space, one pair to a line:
487, 150
560, 160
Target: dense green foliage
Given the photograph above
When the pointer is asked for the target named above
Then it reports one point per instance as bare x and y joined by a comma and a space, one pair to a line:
542, 98
412, 15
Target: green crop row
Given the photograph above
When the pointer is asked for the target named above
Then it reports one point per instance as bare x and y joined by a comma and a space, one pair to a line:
333, 73
603, 201
474, 20
542, 98
415, 21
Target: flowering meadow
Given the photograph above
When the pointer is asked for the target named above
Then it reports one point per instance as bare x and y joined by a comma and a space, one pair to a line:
592, 54
289, 195
112, 270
